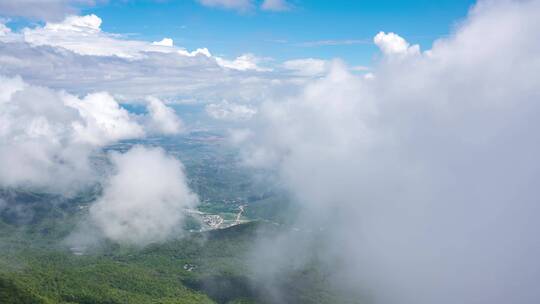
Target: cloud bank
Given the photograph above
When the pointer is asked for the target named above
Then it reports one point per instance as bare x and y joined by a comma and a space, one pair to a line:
418, 185
78, 56
83, 35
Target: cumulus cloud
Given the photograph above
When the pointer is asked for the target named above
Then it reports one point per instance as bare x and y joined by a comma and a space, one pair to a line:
392, 44
83, 35
77, 56
173, 76
230, 111
164, 42
200, 51
104, 121
418, 184
47, 137
163, 119
144, 200
242, 63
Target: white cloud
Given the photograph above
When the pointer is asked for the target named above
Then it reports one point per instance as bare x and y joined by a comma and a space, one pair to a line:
275, 5
421, 180
83, 35
203, 51
9, 86
144, 200
244, 62
163, 119
392, 44
47, 136
239, 136
307, 66
369, 76
104, 121
173, 76
164, 42
359, 68
230, 111
37, 147
84, 24
77, 56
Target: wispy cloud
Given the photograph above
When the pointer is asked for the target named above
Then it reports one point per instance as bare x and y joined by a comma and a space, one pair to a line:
275, 5
248, 5
238, 5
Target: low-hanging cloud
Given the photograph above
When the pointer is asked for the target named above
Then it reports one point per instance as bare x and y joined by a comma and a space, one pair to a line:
47, 137
144, 199
230, 111
307, 66
162, 119
421, 181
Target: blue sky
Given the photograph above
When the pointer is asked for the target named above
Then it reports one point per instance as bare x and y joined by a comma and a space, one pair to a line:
285, 35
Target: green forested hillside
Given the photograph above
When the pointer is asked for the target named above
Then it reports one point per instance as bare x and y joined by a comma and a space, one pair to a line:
13, 293
38, 266
200, 268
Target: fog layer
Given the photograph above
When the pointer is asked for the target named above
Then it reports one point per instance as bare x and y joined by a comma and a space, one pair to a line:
421, 179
